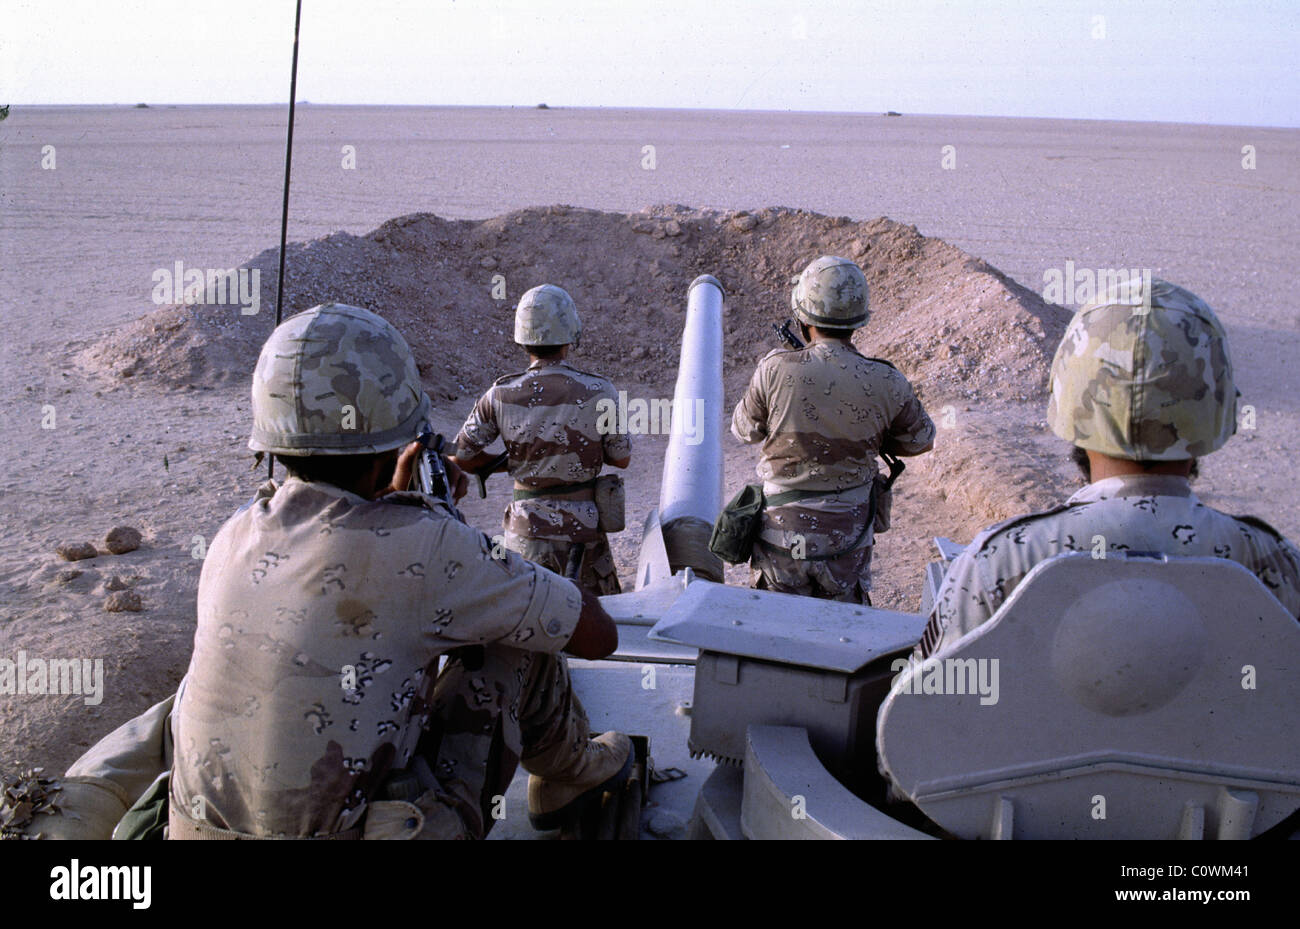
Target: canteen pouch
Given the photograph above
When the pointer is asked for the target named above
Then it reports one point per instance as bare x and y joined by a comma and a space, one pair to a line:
147, 819
610, 503
738, 525
884, 495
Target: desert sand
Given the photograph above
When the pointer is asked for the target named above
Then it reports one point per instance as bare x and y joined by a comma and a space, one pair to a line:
148, 404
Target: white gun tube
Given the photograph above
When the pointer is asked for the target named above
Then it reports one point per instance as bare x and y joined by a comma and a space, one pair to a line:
690, 496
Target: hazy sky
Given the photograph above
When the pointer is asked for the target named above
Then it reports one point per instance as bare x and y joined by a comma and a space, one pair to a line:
1233, 61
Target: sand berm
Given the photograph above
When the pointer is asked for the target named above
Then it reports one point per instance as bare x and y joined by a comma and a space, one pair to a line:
974, 343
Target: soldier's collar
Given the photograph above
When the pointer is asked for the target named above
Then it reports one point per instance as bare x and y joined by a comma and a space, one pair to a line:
296, 484
1135, 485
548, 363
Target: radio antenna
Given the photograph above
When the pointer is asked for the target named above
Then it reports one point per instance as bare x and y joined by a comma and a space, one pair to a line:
284, 212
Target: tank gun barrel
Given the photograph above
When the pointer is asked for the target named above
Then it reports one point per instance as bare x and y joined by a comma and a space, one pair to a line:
692, 478
690, 496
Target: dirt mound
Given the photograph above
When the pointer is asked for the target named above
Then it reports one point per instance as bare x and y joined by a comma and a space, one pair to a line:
975, 345
959, 328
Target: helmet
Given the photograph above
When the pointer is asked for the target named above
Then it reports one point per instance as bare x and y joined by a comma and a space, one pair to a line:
831, 292
335, 380
1143, 373
546, 316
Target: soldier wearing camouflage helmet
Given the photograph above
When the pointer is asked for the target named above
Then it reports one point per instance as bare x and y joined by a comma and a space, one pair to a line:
313, 706
548, 418
1142, 386
822, 414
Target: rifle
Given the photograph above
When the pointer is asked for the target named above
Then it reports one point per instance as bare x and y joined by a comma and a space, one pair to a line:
430, 473
787, 337
896, 465
573, 567
492, 467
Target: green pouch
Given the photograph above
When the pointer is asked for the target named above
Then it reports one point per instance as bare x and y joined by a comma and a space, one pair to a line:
148, 818
738, 525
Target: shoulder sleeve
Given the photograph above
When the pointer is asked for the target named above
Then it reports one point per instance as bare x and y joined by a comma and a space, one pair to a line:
479, 592
616, 442
911, 431
960, 606
1278, 564
749, 419
480, 428
972, 588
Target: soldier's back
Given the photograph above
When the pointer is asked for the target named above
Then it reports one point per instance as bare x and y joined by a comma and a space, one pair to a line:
828, 410
321, 617
1133, 513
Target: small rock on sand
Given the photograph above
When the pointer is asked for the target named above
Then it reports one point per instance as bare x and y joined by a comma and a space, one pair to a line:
76, 551
116, 583
124, 601
744, 222
122, 539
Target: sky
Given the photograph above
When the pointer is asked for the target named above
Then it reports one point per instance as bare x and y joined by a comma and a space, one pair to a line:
1201, 61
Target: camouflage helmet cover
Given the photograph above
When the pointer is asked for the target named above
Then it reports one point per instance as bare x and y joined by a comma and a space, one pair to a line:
336, 380
1143, 373
546, 316
831, 292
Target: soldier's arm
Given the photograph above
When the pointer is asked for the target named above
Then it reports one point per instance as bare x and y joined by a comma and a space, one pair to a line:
749, 419
474, 462
479, 431
616, 446
596, 636
1288, 580
911, 432
959, 606
500, 597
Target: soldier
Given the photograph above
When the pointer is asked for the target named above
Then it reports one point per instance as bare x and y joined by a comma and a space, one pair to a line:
823, 413
313, 706
1142, 386
547, 417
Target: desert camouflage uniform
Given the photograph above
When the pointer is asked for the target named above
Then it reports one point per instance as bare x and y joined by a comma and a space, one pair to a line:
823, 413
547, 417
321, 620
1141, 374
1129, 513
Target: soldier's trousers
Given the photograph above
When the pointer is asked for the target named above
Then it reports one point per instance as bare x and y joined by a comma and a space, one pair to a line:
847, 578
494, 709
598, 575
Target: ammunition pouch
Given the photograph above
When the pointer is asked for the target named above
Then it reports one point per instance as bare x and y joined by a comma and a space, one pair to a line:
611, 502
738, 525
882, 499
147, 818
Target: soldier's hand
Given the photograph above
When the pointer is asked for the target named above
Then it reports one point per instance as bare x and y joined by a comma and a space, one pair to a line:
596, 635
456, 478
405, 468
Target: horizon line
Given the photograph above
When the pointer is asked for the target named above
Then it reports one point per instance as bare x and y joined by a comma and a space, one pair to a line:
546, 107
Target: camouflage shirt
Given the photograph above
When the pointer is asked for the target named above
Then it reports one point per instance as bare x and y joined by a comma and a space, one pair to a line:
547, 416
823, 413
1146, 512
321, 618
